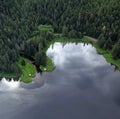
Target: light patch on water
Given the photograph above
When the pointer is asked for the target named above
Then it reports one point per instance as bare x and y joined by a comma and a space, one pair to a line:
61, 54
9, 85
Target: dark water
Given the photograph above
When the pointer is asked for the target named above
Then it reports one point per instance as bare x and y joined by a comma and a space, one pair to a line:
83, 86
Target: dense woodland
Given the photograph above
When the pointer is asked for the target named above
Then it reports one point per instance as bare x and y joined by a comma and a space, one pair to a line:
22, 31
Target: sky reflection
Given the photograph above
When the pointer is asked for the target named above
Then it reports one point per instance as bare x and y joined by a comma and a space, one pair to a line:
63, 54
83, 86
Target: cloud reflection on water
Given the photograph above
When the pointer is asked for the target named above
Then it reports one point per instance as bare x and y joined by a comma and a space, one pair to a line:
62, 55
83, 85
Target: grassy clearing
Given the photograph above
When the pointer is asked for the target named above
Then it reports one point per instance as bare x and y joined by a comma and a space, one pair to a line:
49, 66
109, 58
47, 28
28, 71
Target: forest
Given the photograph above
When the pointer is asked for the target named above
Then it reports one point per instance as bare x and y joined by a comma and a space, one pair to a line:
26, 26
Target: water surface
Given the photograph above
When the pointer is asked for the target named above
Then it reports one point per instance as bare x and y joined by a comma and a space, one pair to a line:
83, 86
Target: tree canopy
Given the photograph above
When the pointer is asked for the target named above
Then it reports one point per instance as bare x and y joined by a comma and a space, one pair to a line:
26, 26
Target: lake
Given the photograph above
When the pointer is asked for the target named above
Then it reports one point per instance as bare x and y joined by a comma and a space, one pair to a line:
82, 86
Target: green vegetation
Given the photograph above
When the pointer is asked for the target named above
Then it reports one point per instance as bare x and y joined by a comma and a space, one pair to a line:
9, 76
108, 56
45, 28
66, 40
28, 70
49, 66
28, 26
106, 53
116, 50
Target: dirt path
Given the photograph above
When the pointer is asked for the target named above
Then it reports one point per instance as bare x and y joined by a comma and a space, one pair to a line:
93, 39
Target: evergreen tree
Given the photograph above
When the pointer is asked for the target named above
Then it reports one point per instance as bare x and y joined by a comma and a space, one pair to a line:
65, 31
116, 50
101, 40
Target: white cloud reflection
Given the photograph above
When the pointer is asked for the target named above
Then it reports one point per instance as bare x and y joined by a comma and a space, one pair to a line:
60, 54
82, 83
9, 85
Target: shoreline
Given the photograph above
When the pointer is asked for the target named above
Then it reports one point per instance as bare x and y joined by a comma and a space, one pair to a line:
29, 70
107, 54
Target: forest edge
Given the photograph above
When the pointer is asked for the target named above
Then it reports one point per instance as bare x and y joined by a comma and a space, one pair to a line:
29, 70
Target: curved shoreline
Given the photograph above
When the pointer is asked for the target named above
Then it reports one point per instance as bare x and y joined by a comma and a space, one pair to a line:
29, 72
107, 54
86, 39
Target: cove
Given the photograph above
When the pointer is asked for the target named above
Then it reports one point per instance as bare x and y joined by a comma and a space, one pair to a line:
82, 86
